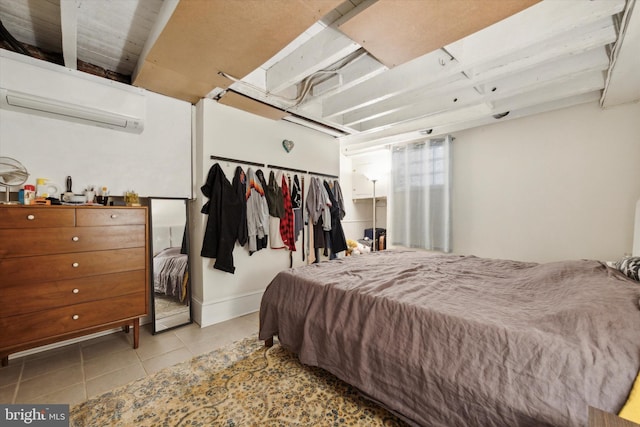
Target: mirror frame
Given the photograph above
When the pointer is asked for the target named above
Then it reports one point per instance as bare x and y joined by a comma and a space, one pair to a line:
151, 272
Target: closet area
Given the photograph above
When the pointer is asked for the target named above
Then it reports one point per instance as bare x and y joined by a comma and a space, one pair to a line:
292, 166
266, 206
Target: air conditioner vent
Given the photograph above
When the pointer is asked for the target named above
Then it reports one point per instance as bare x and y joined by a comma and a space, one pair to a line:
33, 104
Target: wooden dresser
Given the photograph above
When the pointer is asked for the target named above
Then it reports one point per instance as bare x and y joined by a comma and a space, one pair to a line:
67, 271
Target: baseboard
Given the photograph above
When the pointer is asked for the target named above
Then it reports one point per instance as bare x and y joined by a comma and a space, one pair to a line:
212, 312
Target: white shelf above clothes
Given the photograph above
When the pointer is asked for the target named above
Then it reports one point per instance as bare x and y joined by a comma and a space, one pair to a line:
365, 169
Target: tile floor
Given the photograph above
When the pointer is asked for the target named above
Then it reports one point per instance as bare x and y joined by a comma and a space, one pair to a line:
77, 372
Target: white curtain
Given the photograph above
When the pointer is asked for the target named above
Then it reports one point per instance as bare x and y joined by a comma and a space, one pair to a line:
420, 195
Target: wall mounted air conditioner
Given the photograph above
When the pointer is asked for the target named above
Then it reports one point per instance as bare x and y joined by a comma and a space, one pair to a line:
33, 104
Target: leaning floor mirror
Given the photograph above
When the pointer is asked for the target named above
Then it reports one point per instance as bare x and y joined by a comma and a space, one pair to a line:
170, 281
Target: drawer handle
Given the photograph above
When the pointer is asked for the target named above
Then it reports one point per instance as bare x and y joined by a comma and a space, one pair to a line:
75, 238
75, 317
75, 290
114, 216
31, 217
75, 265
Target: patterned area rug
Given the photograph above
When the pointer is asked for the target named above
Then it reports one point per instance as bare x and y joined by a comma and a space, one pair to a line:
245, 384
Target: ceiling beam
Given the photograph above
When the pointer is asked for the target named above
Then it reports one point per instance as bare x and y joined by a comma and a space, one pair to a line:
546, 23
529, 79
166, 10
388, 135
69, 29
623, 81
259, 95
466, 91
589, 82
420, 72
318, 53
361, 69
415, 135
354, 73
574, 42
250, 105
425, 107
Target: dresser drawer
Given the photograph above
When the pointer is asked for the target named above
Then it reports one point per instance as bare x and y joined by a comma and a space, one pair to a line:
47, 268
27, 298
36, 217
25, 328
91, 216
41, 241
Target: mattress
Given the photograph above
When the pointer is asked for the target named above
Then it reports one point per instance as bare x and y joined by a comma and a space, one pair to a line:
447, 340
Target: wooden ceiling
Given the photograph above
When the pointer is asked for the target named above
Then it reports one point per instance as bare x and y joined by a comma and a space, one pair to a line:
397, 31
204, 38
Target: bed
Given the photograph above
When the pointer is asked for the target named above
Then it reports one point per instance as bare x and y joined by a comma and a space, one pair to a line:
170, 264
170, 273
449, 340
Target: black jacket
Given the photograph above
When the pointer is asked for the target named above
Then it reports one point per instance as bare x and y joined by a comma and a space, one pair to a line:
338, 241
224, 209
240, 188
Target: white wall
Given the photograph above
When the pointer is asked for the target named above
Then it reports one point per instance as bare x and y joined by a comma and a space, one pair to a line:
559, 185
227, 132
156, 162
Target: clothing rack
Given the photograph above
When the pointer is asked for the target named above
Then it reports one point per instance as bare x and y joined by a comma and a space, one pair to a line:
286, 169
244, 162
323, 174
263, 165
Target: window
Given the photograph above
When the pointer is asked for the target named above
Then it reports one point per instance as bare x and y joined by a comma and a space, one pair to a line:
420, 195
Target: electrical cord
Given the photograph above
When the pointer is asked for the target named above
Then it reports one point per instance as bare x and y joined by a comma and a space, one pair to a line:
307, 83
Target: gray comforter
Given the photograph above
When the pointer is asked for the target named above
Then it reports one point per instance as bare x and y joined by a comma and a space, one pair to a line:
169, 269
445, 340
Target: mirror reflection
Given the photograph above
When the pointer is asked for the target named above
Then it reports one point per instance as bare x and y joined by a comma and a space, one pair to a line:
171, 283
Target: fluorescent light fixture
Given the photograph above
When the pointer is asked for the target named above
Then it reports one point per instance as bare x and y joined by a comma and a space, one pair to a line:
26, 103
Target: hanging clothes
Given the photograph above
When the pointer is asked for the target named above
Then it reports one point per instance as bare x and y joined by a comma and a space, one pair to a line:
304, 249
296, 206
257, 212
311, 213
276, 212
311, 254
263, 243
239, 185
287, 223
324, 226
326, 209
338, 241
274, 197
319, 216
317, 201
337, 195
223, 209
262, 181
